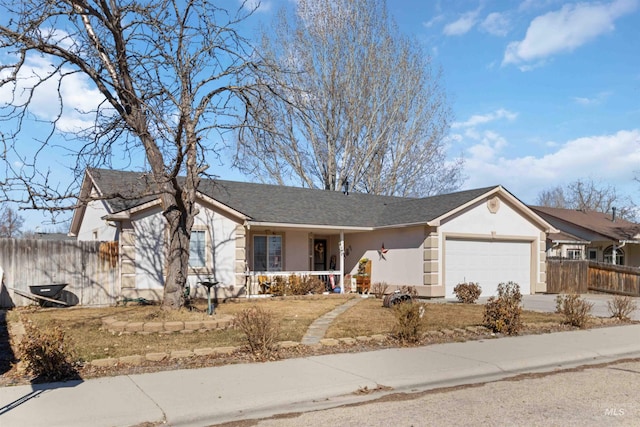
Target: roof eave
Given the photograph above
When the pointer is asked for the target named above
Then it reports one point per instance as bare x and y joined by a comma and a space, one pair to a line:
250, 224
79, 211
403, 225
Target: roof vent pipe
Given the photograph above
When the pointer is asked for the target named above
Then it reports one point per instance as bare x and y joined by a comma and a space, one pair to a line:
345, 187
613, 215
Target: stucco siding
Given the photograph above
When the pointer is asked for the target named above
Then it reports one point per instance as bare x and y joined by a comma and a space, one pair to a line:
149, 230
221, 246
403, 262
632, 255
149, 236
479, 220
296, 250
93, 227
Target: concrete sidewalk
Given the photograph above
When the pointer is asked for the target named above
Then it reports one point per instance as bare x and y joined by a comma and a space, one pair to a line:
208, 396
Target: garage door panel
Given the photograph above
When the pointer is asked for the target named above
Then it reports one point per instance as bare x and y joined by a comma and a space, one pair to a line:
487, 263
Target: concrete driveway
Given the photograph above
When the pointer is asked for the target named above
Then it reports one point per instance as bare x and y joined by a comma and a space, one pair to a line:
547, 303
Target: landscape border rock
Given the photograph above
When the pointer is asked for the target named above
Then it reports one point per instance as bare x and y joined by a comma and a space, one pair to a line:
116, 326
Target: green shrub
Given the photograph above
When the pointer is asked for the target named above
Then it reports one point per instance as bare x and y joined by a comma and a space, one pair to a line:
575, 309
502, 314
621, 307
48, 354
379, 289
410, 321
260, 329
467, 293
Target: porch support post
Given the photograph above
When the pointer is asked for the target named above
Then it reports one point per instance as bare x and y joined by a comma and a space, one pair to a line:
342, 261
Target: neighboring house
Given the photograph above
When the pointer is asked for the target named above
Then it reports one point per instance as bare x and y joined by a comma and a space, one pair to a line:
591, 235
247, 230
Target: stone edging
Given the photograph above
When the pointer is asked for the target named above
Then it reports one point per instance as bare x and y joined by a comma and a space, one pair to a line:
115, 326
207, 351
442, 335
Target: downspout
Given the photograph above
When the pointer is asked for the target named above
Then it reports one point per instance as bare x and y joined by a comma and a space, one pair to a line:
341, 261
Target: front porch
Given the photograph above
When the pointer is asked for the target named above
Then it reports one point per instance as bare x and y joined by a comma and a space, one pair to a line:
276, 254
260, 282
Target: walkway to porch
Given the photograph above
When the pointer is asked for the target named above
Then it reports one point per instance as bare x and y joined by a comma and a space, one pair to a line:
319, 327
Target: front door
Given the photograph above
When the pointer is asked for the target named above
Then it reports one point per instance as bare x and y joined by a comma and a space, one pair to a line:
319, 254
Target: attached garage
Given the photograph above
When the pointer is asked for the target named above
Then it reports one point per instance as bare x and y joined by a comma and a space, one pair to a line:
488, 263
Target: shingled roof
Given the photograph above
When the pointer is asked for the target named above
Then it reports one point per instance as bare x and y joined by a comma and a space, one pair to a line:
289, 205
589, 222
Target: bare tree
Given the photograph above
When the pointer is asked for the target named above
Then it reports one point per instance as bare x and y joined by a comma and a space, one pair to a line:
552, 198
585, 194
10, 222
354, 101
166, 74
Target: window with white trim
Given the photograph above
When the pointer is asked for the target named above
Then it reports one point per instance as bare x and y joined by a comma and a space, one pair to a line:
198, 249
574, 253
593, 255
267, 253
608, 256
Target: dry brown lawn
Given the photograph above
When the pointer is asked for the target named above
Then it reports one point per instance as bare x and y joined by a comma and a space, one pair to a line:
84, 325
369, 317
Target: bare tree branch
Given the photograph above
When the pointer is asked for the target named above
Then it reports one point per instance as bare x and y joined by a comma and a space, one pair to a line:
353, 100
164, 76
585, 194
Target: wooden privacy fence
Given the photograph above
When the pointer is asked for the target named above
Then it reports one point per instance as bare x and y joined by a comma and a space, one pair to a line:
579, 276
89, 268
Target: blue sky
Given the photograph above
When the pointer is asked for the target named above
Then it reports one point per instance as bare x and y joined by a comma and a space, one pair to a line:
544, 92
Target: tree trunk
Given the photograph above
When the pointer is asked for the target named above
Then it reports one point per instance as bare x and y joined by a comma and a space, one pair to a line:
177, 263
179, 209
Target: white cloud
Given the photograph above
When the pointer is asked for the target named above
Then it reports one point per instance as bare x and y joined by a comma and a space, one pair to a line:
497, 24
479, 119
430, 23
566, 29
462, 25
257, 5
489, 146
611, 158
77, 94
598, 99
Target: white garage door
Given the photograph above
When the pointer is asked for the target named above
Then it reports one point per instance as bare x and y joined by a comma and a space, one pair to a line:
487, 263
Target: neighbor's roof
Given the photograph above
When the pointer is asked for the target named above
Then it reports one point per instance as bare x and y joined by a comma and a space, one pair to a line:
589, 221
564, 237
291, 205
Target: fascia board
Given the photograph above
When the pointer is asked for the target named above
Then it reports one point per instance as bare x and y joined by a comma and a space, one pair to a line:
305, 226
